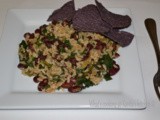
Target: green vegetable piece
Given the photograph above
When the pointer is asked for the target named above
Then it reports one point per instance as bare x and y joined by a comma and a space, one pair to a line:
68, 44
51, 37
84, 81
30, 62
47, 64
107, 60
59, 88
84, 52
107, 77
56, 78
79, 70
23, 44
39, 42
44, 31
62, 50
47, 86
72, 55
41, 67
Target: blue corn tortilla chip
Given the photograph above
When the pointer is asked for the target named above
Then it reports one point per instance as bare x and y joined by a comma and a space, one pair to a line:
66, 12
95, 18
88, 19
115, 20
123, 38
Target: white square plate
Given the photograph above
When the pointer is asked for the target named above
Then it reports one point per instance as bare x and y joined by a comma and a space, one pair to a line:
125, 91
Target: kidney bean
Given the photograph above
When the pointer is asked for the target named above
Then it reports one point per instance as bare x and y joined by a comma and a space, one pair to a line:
30, 46
60, 44
74, 35
43, 27
89, 46
114, 70
38, 31
73, 61
67, 84
73, 80
89, 37
65, 22
116, 55
42, 57
40, 87
48, 42
23, 66
35, 79
54, 22
100, 45
31, 36
75, 89
114, 46
27, 35
45, 81
85, 56
42, 84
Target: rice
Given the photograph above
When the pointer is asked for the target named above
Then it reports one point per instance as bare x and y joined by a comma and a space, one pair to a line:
55, 54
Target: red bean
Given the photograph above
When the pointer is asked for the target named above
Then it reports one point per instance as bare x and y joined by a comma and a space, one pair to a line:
73, 61
38, 31
27, 35
74, 36
47, 42
30, 46
42, 84
31, 36
65, 22
40, 87
67, 84
22, 66
43, 27
89, 46
42, 57
89, 37
100, 45
35, 79
73, 80
114, 46
45, 81
114, 70
116, 55
75, 89
86, 56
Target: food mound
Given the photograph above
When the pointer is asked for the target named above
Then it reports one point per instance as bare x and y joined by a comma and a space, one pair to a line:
71, 54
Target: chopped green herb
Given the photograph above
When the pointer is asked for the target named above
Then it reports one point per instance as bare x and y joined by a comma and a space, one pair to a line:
84, 81
23, 44
107, 77
63, 71
68, 44
39, 42
79, 70
107, 60
62, 50
30, 61
41, 67
51, 37
84, 52
59, 88
72, 55
56, 78
47, 86
47, 64
44, 31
